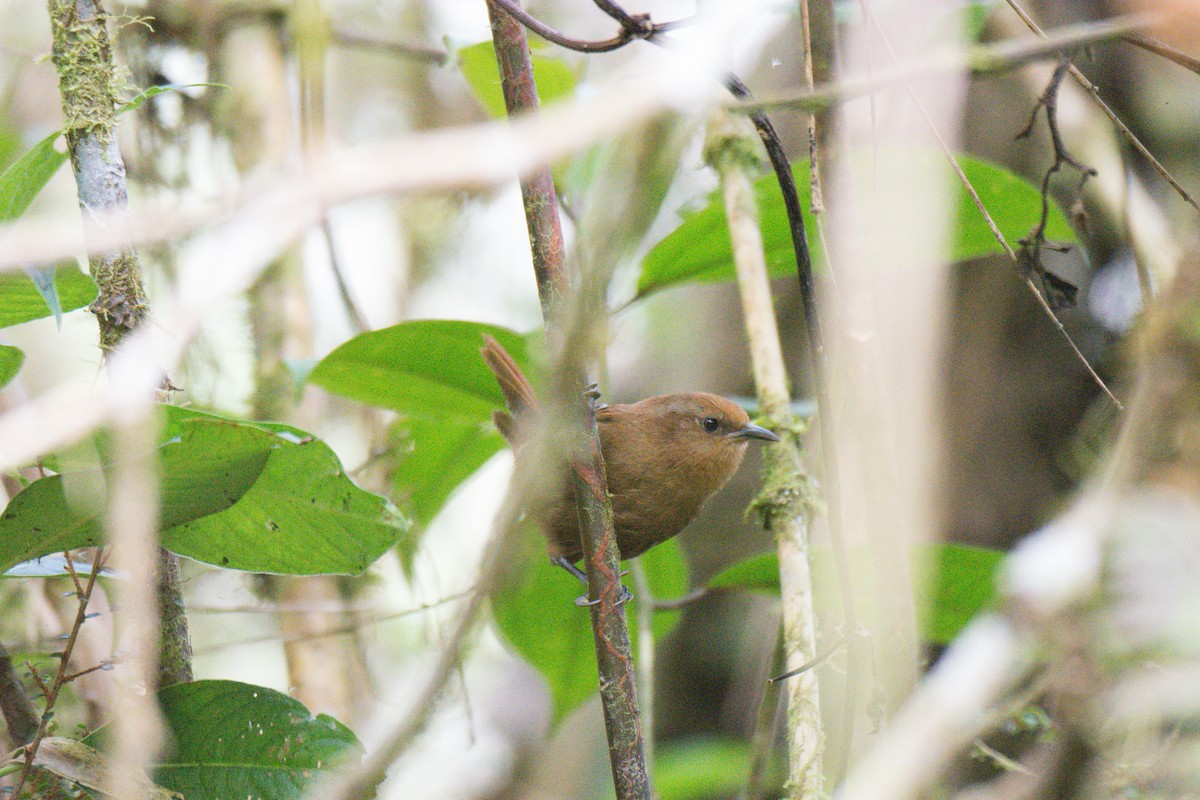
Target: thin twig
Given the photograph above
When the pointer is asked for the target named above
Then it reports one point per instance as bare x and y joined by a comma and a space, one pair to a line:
420, 52
1058, 293
816, 662
1121, 127
995, 229
51, 691
1159, 48
979, 60
357, 320
632, 29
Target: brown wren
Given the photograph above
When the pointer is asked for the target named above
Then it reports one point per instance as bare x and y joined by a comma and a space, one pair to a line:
664, 457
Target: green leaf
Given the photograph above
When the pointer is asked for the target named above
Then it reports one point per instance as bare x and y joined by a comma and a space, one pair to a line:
21, 300
11, 359
154, 91
28, 175
429, 369
257, 497
229, 739
536, 615
758, 573
961, 582
302, 516
555, 80
700, 768
434, 458
699, 249
955, 582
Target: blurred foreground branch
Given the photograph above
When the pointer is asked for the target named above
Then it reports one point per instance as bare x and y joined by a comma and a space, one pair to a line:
1105, 596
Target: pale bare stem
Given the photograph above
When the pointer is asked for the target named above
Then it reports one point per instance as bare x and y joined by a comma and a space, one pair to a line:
132, 523
644, 666
948, 711
818, 203
732, 149
981, 59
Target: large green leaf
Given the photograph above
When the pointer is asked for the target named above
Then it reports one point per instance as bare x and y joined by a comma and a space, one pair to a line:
555, 80
954, 582
537, 616
234, 740
22, 298
699, 250
302, 516
429, 368
11, 359
265, 498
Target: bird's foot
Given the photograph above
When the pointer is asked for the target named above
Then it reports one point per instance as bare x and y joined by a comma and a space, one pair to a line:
625, 596
592, 391
582, 601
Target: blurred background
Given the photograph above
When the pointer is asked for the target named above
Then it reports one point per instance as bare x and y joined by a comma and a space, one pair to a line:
1016, 419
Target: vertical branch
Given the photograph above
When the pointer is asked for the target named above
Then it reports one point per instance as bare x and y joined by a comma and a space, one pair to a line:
32, 738
88, 83
537, 189
18, 711
614, 658
782, 506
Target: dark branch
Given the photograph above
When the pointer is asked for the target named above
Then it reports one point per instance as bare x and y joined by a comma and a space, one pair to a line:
633, 28
1058, 292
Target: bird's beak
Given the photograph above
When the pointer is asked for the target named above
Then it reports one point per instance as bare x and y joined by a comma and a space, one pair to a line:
754, 432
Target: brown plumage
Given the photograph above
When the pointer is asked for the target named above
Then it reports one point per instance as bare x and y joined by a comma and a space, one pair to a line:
664, 457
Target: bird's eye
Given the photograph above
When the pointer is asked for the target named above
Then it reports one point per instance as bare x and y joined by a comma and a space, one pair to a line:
711, 424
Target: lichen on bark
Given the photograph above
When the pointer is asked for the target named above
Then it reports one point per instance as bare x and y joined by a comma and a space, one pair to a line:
91, 85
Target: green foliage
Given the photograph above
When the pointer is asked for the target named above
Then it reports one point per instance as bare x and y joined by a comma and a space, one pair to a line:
232, 739
961, 583
953, 583
555, 80
11, 359
700, 768
229, 739
265, 498
39, 292
757, 574
536, 615
429, 369
154, 91
699, 249
22, 298
431, 373
434, 458
28, 175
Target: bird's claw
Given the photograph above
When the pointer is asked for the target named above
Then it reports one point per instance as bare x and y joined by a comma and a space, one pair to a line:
625, 596
592, 391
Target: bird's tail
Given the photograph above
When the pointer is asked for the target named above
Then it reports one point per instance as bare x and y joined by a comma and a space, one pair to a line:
518, 393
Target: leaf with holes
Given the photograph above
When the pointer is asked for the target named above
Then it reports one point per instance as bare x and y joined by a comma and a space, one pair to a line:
258, 497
